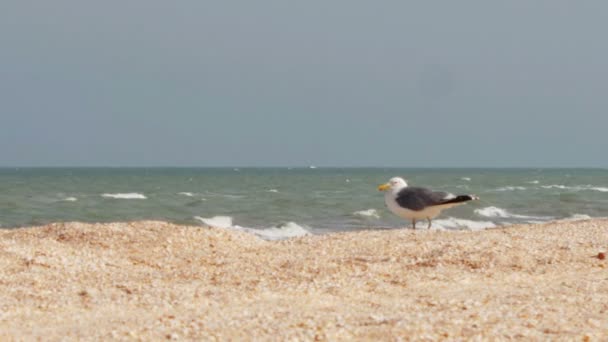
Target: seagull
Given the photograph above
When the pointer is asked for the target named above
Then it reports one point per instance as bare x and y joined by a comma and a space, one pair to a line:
418, 203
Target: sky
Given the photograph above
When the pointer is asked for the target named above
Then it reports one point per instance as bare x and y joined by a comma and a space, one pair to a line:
284, 83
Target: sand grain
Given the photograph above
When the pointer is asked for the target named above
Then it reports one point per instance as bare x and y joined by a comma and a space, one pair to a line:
154, 280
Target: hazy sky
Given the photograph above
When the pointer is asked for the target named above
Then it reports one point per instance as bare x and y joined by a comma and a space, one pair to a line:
343, 83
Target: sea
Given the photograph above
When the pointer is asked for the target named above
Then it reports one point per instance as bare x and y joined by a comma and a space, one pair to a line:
279, 203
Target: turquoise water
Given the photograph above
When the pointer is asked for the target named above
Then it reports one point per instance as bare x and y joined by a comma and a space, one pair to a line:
292, 201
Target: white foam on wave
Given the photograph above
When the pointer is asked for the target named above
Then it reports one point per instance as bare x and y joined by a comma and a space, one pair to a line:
468, 179
131, 195
216, 221
533, 182
282, 231
492, 212
367, 213
511, 188
456, 223
189, 194
555, 186
502, 213
576, 188
578, 217
70, 199
272, 190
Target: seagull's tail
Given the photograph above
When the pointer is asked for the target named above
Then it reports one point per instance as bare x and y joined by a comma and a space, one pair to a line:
461, 199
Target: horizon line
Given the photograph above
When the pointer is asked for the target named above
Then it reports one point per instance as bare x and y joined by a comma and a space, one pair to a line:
287, 167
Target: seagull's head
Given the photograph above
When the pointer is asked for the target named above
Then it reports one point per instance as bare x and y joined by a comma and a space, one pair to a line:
395, 183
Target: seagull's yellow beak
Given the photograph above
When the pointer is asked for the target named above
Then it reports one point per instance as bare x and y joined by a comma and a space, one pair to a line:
384, 187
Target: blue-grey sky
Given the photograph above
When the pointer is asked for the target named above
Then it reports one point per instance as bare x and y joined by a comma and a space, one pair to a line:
267, 83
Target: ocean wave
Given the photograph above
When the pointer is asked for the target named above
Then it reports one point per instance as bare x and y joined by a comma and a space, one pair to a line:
556, 186
533, 182
282, 231
493, 212
216, 221
70, 199
511, 188
272, 190
228, 196
577, 217
503, 213
576, 188
367, 213
456, 223
467, 179
131, 195
189, 194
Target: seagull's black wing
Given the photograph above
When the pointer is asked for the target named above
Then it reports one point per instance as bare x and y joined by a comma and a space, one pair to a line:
419, 198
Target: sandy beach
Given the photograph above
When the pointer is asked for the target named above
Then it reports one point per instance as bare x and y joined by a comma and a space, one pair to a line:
155, 280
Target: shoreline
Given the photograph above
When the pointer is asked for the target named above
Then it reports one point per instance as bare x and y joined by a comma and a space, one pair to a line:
324, 231
157, 280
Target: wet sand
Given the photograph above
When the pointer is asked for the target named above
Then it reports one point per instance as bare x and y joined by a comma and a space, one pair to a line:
155, 280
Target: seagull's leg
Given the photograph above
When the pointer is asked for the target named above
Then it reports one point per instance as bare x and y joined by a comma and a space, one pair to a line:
414, 223
429, 227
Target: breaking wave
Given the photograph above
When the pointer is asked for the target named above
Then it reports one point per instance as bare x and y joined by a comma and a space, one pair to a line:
367, 213
511, 188
282, 231
576, 188
577, 217
456, 223
502, 213
555, 186
216, 221
132, 195
228, 196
